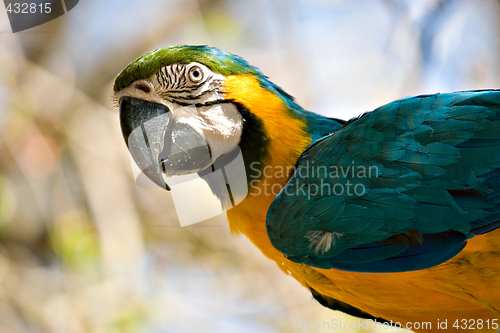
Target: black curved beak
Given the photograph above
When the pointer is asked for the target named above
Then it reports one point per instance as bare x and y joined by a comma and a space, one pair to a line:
143, 126
160, 145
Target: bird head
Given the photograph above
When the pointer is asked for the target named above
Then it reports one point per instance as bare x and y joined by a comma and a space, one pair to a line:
183, 108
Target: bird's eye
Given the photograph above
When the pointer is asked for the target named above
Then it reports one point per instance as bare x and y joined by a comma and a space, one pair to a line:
195, 74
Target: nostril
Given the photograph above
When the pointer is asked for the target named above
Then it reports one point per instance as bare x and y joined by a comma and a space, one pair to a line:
143, 87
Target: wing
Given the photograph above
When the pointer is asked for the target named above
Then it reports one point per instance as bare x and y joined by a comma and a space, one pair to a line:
397, 189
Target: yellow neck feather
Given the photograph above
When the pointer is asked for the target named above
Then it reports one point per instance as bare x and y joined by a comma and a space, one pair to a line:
287, 140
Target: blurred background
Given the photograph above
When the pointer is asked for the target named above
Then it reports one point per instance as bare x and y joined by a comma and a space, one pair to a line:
83, 249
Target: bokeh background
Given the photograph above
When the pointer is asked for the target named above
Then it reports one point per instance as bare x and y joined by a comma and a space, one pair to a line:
83, 249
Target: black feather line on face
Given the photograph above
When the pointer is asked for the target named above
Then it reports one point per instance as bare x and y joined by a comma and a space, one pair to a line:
176, 87
254, 143
189, 99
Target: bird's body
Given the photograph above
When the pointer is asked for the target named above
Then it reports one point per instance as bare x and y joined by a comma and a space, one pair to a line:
414, 243
464, 288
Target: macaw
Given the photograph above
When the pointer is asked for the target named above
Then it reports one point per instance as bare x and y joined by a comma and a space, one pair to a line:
390, 216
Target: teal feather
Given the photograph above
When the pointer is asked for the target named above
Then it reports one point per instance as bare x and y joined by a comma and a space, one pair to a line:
438, 171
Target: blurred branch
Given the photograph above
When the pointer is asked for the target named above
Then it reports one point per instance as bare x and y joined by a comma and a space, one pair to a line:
431, 25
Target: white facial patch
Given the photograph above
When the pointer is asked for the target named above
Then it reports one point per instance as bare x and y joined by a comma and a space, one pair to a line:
221, 125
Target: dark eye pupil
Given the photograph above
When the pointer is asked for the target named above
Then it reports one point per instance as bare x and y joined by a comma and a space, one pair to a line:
196, 73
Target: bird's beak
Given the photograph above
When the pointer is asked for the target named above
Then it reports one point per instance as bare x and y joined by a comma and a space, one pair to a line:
158, 144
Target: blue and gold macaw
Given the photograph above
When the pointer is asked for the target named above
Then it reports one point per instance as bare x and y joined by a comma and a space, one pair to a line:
390, 216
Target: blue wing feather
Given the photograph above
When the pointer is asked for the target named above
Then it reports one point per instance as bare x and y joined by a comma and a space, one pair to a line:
436, 163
